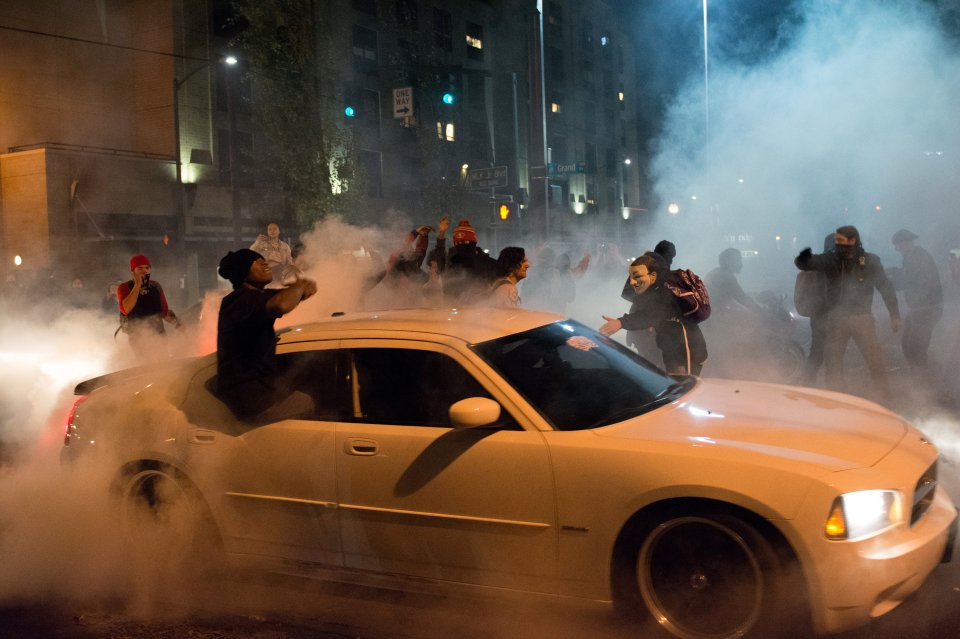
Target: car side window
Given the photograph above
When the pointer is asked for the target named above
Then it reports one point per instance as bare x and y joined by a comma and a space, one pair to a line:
412, 387
318, 374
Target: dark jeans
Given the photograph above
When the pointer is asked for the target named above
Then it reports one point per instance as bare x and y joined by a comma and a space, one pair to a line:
818, 342
917, 332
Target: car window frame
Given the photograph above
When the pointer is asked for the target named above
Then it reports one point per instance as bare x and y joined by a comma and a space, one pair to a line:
518, 420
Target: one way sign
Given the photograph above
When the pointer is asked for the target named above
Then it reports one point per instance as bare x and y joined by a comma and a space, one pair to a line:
402, 102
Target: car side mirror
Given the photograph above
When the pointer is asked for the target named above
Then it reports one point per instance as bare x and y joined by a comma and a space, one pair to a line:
473, 412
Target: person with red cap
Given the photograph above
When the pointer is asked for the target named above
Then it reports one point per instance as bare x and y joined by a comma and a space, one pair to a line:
469, 271
144, 308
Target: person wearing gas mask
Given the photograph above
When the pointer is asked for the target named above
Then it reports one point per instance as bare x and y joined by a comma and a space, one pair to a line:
143, 310
852, 275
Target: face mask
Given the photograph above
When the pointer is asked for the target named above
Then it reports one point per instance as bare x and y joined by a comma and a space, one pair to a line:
847, 252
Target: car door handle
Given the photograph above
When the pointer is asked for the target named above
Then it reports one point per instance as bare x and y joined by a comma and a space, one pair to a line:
361, 447
202, 436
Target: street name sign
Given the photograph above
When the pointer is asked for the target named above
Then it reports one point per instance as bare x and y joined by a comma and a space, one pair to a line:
558, 168
488, 178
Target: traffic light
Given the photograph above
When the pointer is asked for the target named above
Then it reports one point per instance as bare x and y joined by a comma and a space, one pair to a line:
504, 212
349, 111
449, 98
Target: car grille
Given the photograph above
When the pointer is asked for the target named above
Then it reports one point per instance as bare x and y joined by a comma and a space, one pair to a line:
923, 493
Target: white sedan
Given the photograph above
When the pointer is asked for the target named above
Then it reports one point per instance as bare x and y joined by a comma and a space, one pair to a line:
521, 450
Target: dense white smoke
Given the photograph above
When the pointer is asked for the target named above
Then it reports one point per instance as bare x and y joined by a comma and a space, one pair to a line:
852, 123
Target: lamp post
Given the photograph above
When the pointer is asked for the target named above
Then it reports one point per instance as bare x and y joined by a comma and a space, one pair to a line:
706, 77
181, 207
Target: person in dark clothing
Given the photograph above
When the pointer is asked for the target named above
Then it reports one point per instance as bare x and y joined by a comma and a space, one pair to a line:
641, 340
246, 343
736, 327
919, 279
681, 342
818, 327
469, 271
667, 250
144, 308
852, 275
726, 294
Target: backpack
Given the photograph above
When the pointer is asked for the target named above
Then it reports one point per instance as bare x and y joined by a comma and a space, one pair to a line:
691, 293
809, 292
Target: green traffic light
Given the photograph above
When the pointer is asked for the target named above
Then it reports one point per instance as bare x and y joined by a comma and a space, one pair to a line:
349, 112
448, 98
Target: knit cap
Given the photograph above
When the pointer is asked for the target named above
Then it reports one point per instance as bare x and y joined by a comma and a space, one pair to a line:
464, 233
235, 265
138, 260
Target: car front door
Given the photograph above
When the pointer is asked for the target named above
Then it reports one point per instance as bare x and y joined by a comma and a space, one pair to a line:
419, 497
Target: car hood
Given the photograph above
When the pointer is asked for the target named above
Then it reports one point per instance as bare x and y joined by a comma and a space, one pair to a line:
831, 430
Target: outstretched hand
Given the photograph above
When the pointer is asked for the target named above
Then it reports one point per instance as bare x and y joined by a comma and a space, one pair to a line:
611, 326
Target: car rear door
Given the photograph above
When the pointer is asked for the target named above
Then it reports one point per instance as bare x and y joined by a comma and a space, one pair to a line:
279, 480
419, 497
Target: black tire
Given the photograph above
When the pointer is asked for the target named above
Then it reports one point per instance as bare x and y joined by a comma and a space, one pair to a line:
703, 576
162, 513
790, 363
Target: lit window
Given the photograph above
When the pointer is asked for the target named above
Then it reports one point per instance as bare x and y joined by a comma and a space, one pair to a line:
620, 95
474, 41
604, 41
446, 131
555, 107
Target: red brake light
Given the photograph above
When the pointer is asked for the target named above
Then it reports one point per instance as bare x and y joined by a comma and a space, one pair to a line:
73, 411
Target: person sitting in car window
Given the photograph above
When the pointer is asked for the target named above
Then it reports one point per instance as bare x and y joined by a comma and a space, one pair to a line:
246, 343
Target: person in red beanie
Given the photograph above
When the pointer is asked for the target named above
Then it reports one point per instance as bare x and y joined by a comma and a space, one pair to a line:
469, 270
143, 307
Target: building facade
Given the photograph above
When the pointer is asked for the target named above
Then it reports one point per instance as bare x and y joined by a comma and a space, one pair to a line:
448, 108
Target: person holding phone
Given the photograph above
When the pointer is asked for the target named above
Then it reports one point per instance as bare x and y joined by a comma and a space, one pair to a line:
143, 310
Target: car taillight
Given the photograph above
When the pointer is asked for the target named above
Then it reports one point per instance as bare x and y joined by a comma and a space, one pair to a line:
69, 426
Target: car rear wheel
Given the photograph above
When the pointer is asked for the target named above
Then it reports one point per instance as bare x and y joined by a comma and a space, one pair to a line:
164, 517
707, 576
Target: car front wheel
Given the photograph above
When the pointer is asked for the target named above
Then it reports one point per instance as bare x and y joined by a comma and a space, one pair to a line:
709, 576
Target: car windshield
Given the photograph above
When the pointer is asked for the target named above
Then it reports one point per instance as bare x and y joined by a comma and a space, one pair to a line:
577, 378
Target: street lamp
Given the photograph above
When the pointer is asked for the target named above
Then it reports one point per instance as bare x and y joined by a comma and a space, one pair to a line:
181, 208
706, 76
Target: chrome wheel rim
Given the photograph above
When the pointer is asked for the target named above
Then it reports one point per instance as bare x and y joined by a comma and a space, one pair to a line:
700, 579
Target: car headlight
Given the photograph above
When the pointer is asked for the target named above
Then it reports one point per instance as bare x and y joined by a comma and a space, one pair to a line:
863, 513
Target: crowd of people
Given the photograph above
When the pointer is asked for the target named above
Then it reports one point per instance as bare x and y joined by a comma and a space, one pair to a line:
835, 288
844, 279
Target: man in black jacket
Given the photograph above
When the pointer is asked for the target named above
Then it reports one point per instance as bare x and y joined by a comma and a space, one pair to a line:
852, 275
920, 281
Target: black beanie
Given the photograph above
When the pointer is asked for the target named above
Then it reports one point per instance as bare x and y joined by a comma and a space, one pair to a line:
235, 265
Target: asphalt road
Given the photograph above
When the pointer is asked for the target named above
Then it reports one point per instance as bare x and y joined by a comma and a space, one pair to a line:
282, 607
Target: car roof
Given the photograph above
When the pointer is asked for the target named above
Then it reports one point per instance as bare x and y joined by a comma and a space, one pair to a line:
473, 324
